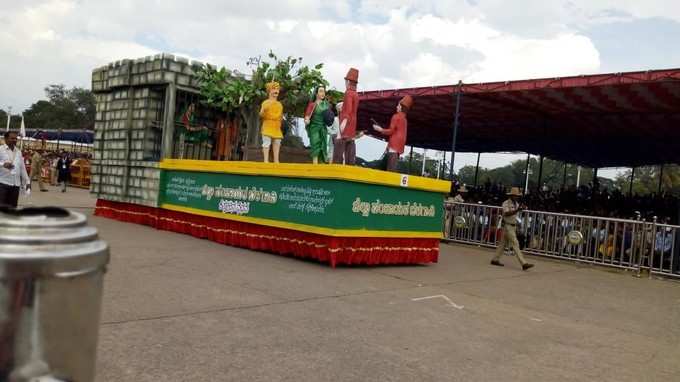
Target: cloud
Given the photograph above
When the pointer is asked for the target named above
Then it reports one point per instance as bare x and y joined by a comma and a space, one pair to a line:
391, 42
394, 43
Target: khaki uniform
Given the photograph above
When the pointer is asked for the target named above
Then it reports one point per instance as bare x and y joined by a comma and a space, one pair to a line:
509, 233
37, 163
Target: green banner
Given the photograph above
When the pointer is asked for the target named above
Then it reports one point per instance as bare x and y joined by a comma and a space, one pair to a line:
326, 203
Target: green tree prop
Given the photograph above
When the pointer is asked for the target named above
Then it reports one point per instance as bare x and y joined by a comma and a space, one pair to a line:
233, 92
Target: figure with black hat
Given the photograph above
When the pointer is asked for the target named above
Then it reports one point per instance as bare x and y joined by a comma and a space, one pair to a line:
511, 208
397, 132
318, 115
345, 147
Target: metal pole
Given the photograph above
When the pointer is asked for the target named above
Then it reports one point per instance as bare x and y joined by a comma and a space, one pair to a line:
439, 167
477, 169
422, 170
410, 160
564, 177
526, 176
660, 179
455, 127
578, 177
632, 177
540, 174
443, 164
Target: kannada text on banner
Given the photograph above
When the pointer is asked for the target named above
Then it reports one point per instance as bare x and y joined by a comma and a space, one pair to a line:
317, 202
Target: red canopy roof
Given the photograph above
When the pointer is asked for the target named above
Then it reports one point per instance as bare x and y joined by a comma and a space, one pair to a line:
604, 120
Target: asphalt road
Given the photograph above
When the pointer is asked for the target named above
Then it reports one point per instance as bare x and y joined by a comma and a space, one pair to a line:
177, 308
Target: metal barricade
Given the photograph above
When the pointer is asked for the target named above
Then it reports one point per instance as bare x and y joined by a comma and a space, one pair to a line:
635, 245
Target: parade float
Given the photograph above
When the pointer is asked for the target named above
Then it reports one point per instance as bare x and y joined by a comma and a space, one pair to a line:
146, 171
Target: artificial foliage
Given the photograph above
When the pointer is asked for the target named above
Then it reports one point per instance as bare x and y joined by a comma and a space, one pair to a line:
234, 92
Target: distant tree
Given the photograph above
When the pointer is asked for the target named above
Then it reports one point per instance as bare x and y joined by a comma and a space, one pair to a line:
514, 174
64, 109
646, 180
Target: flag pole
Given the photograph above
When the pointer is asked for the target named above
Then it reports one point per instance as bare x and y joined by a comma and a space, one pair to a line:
22, 133
9, 116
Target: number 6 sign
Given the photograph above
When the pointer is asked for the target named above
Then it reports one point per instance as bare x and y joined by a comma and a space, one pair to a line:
404, 181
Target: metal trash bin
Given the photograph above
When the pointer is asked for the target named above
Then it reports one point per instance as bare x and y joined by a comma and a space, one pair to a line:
51, 274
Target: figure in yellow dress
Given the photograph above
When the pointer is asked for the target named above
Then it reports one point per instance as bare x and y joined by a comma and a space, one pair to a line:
271, 114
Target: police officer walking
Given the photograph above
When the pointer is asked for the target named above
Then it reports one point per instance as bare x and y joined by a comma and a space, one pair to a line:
510, 210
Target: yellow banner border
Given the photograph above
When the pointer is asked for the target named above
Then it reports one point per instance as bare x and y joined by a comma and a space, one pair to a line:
312, 171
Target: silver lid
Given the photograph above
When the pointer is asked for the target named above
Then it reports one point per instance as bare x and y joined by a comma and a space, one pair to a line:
48, 242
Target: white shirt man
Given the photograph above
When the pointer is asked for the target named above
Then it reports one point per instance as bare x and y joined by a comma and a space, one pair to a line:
13, 175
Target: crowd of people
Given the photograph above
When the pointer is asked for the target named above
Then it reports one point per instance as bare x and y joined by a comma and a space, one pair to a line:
21, 167
641, 242
584, 200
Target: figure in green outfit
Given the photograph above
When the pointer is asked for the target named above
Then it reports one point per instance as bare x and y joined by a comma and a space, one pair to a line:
316, 126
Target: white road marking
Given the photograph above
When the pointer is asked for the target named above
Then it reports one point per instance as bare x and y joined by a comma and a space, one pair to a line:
453, 304
536, 319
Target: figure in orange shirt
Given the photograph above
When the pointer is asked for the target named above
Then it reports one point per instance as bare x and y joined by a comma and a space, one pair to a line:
396, 132
345, 147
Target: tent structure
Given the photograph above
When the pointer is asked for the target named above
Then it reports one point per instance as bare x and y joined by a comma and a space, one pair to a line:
79, 136
605, 120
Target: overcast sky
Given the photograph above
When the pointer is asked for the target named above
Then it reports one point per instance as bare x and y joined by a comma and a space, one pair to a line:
394, 43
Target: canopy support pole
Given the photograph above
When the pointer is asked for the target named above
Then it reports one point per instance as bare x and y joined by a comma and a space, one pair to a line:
455, 126
410, 160
632, 177
596, 182
442, 167
658, 192
477, 169
526, 175
564, 177
540, 174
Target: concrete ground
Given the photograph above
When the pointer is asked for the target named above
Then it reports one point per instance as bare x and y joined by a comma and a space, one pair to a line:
178, 308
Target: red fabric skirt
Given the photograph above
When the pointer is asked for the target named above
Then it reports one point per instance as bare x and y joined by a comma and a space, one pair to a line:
326, 249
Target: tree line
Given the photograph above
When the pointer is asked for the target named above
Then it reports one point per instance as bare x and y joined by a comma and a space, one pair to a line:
645, 181
62, 109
